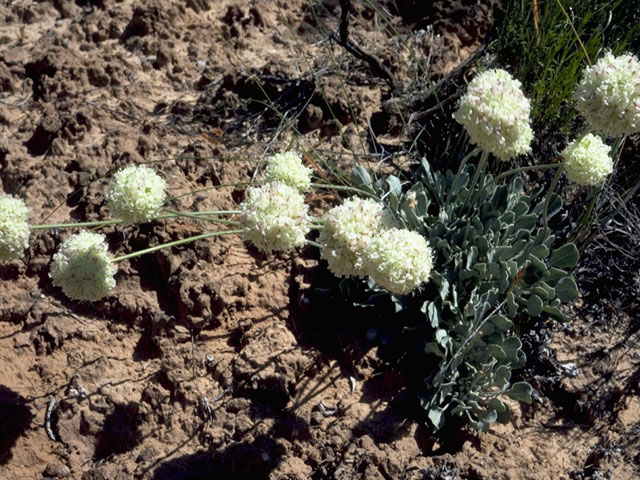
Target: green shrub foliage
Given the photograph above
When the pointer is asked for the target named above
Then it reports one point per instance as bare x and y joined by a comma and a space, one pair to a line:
494, 266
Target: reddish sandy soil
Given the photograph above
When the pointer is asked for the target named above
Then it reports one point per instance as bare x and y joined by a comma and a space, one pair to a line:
201, 364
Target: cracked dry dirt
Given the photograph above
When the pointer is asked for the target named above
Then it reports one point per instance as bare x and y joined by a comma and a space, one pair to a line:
201, 364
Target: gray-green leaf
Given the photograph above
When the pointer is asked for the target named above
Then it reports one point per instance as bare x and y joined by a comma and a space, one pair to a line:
520, 391
534, 305
360, 177
566, 289
565, 256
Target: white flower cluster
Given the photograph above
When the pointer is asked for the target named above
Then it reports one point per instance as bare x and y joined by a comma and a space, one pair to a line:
347, 231
587, 160
287, 168
136, 194
399, 260
609, 95
14, 227
495, 113
82, 267
275, 217
358, 239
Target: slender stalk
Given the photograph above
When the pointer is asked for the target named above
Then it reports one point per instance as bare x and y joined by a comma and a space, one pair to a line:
546, 166
175, 244
96, 223
313, 244
200, 216
170, 214
481, 168
616, 150
547, 199
575, 32
345, 188
206, 189
178, 213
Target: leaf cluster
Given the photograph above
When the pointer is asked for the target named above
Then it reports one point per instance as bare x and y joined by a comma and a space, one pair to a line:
494, 267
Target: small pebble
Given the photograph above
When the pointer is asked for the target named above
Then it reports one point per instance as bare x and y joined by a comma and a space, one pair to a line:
57, 471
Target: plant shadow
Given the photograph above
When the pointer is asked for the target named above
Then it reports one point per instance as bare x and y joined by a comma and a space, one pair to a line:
120, 432
15, 419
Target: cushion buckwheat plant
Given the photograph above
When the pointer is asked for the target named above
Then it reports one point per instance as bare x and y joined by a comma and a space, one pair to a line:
82, 267
495, 114
287, 168
346, 233
465, 262
275, 217
609, 95
587, 160
399, 260
14, 228
136, 194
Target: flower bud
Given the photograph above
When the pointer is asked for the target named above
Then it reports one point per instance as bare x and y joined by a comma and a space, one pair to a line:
399, 260
82, 267
275, 217
287, 168
608, 95
14, 228
587, 160
495, 113
347, 231
136, 194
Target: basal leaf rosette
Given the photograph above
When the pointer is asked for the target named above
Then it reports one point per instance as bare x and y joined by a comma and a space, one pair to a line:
347, 231
587, 160
275, 217
399, 260
136, 194
288, 168
496, 114
82, 267
608, 95
14, 228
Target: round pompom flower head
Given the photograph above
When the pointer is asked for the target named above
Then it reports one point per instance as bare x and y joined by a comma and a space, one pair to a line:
347, 231
287, 168
82, 267
275, 217
608, 95
136, 194
587, 160
399, 260
495, 114
14, 228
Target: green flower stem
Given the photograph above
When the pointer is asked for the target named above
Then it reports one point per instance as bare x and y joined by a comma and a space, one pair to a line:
314, 244
206, 189
482, 164
171, 214
175, 244
345, 188
547, 199
96, 223
202, 216
178, 213
526, 169
616, 151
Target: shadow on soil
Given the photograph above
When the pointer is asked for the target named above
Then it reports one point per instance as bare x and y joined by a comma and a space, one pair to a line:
372, 348
120, 432
251, 459
245, 460
15, 418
